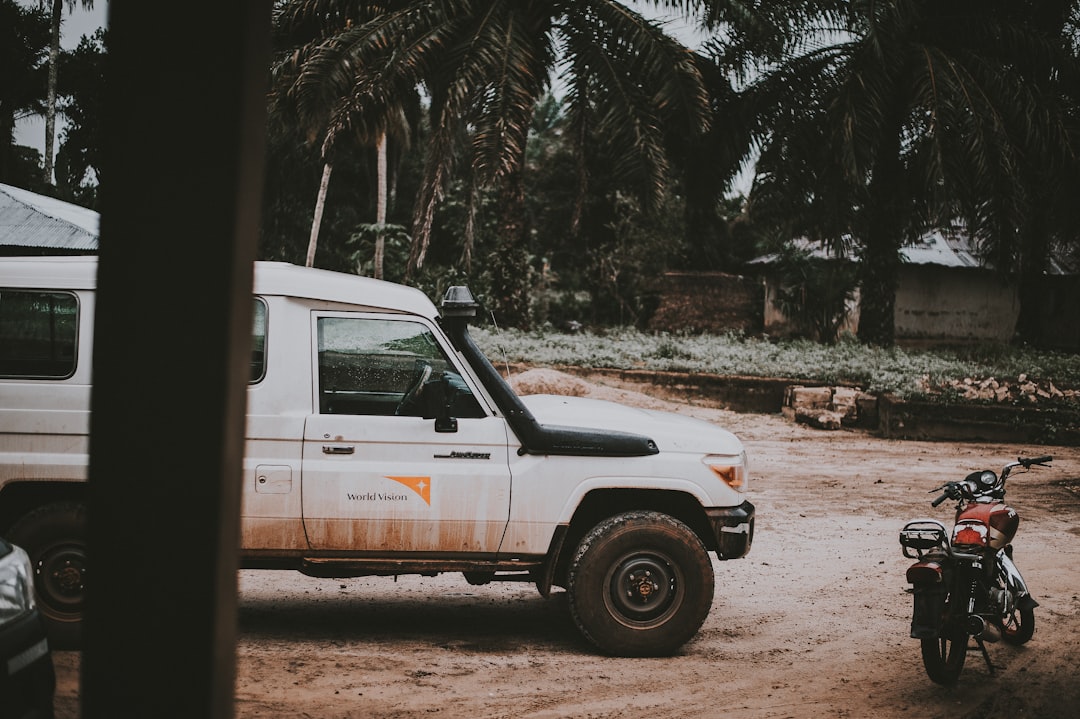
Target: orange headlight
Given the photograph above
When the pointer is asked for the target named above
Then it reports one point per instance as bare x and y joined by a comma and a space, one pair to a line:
733, 473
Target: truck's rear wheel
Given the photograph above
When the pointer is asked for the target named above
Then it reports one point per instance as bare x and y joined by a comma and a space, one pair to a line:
55, 538
640, 584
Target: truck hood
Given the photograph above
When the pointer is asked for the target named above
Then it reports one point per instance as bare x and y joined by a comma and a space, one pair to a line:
671, 432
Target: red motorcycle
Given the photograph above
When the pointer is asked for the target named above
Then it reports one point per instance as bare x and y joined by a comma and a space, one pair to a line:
965, 584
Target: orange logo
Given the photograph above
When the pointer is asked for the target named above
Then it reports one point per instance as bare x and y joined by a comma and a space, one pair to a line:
420, 485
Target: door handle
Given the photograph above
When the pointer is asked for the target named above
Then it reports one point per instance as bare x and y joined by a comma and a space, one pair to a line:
337, 449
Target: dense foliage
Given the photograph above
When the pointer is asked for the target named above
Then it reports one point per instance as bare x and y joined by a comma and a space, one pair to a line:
26, 34
559, 156
879, 121
24, 41
874, 122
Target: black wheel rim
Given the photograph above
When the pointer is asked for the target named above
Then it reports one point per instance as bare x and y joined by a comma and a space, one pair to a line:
643, 589
61, 578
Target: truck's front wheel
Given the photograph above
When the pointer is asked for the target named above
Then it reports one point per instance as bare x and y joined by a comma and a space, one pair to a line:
640, 584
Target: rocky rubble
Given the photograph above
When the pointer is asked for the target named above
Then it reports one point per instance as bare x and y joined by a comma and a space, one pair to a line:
829, 407
975, 404
1021, 391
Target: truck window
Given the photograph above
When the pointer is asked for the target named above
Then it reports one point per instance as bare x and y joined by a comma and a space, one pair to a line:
373, 366
38, 332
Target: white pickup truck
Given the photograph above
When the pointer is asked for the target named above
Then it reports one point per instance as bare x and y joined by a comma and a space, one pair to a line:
381, 441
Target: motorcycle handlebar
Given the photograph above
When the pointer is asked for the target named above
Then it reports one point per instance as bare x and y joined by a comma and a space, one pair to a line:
970, 490
955, 490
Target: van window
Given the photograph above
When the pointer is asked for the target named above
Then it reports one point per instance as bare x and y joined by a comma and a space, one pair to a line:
38, 332
258, 342
373, 366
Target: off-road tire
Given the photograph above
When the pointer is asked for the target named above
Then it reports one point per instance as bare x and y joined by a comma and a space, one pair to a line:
640, 584
54, 536
944, 655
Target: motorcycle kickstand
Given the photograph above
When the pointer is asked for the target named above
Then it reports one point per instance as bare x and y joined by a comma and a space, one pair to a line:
986, 656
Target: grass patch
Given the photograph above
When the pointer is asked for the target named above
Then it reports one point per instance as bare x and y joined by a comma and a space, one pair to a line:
908, 373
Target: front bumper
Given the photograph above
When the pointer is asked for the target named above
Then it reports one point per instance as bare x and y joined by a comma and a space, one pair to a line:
733, 528
27, 675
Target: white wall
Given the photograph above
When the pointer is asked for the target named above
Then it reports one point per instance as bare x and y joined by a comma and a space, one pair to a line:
934, 304
941, 303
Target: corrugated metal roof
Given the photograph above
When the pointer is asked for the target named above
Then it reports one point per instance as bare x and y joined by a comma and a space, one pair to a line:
30, 220
816, 250
936, 248
933, 248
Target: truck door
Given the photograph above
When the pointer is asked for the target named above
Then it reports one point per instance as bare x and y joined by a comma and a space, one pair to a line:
377, 478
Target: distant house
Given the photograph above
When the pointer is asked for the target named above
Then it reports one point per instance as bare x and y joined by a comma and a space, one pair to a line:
945, 294
33, 224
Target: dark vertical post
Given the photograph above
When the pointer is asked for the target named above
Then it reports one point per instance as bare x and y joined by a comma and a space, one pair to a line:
181, 190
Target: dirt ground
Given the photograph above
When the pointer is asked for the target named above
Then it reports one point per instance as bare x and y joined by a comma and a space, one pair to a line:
813, 623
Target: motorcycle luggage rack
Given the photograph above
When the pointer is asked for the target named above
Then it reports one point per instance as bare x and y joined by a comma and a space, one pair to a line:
922, 537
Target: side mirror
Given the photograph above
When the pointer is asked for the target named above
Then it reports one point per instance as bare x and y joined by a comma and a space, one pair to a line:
445, 423
439, 400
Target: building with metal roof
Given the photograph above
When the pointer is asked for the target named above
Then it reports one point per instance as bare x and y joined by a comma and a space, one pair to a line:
33, 224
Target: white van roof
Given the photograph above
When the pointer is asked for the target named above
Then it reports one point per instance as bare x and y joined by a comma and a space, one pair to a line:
76, 272
271, 278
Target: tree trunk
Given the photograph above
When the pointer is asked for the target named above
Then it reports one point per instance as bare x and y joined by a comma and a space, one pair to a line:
1035, 252
316, 220
50, 102
879, 271
469, 234
380, 206
380, 164
7, 145
879, 268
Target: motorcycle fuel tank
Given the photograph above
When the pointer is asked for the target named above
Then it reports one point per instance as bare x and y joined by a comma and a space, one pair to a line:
985, 525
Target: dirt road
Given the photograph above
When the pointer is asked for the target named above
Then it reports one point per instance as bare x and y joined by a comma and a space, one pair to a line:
813, 623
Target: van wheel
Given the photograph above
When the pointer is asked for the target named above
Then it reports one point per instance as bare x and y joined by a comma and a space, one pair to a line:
55, 538
640, 584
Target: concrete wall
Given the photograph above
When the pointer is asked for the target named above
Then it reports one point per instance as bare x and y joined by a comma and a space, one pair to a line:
946, 304
708, 302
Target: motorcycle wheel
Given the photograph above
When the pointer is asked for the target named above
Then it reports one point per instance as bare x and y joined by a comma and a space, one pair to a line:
944, 656
1018, 627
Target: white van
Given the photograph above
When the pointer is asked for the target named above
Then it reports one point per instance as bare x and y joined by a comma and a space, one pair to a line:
380, 441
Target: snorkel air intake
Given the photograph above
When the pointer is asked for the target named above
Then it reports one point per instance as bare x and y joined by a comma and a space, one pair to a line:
458, 307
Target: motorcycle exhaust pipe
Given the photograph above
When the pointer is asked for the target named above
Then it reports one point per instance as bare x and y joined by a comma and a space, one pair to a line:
982, 629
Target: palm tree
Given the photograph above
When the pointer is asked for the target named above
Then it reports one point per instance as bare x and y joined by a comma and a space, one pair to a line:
484, 64
879, 119
1050, 217
317, 82
24, 36
56, 14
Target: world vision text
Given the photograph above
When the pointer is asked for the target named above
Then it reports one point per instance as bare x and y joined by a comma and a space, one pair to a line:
376, 497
